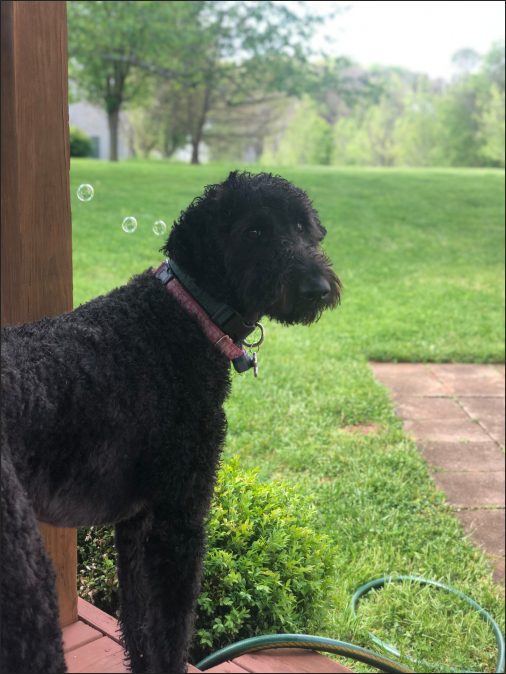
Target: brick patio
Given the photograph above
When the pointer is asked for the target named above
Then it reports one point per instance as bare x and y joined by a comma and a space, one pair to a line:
455, 412
93, 645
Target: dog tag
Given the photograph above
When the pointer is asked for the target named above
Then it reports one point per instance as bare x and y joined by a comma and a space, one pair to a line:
255, 365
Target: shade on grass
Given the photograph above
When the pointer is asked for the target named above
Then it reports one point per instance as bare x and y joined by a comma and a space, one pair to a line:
421, 257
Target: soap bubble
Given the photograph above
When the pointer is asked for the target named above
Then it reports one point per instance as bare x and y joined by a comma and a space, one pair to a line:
159, 227
129, 225
85, 192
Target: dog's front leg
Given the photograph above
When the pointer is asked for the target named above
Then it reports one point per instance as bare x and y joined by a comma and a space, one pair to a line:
174, 552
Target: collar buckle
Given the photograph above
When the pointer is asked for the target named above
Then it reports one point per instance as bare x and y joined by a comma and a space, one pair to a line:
232, 323
164, 273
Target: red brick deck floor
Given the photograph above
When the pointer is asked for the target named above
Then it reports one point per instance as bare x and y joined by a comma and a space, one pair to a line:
456, 415
92, 645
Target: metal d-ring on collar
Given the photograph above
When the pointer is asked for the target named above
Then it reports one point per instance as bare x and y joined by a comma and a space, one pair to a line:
253, 358
257, 344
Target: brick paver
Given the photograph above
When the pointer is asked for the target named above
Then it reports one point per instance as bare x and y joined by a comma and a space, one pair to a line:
456, 414
486, 527
484, 408
463, 456
495, 428
472, 490
446, 430
413, 407
409, 379
469, 380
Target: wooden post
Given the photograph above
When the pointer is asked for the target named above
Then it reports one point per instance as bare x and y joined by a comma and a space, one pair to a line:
35, 200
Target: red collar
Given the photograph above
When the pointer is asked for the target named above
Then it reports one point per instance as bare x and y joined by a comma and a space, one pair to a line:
213, 333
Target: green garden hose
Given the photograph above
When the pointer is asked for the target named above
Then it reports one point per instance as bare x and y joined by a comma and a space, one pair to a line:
341, 647
301, 641
423, 581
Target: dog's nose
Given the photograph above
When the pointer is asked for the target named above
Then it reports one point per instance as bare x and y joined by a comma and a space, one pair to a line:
313, 289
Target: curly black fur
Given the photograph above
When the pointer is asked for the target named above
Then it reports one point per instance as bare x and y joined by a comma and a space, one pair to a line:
113, 413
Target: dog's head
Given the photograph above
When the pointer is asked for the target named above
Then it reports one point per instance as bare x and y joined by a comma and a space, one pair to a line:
253, 242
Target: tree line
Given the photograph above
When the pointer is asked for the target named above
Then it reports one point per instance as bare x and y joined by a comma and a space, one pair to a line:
241, 77
401, 119
181, 61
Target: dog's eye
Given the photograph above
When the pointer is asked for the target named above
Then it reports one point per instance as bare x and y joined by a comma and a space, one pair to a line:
253, 233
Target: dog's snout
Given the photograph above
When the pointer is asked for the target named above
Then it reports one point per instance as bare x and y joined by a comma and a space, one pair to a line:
314, 289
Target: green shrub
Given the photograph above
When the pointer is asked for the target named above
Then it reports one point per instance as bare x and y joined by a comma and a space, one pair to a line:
80, 143
97, 581
266, 570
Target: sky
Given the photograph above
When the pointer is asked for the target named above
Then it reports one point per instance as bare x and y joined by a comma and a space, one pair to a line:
418, 35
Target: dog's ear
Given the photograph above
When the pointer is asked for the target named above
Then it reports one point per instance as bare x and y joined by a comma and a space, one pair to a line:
177, 245
183, 247
190, 235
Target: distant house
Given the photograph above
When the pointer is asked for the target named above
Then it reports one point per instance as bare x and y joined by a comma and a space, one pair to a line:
93, 121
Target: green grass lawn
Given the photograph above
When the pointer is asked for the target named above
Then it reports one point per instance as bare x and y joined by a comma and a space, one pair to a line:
421, 257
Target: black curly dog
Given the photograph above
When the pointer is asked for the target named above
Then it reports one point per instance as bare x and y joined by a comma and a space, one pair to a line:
113, 413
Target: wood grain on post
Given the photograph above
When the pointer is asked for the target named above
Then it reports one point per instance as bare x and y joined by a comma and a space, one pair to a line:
36, 228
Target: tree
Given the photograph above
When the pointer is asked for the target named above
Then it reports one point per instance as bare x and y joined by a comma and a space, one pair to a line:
490, 105
396, 117
338, 85
493, 64
379, 121
469, 114
248, 53
239, 133
104, 37
220, 53
352, 145
161, 123
287, 131
492, 126
466, 60
307, 138
415, 129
